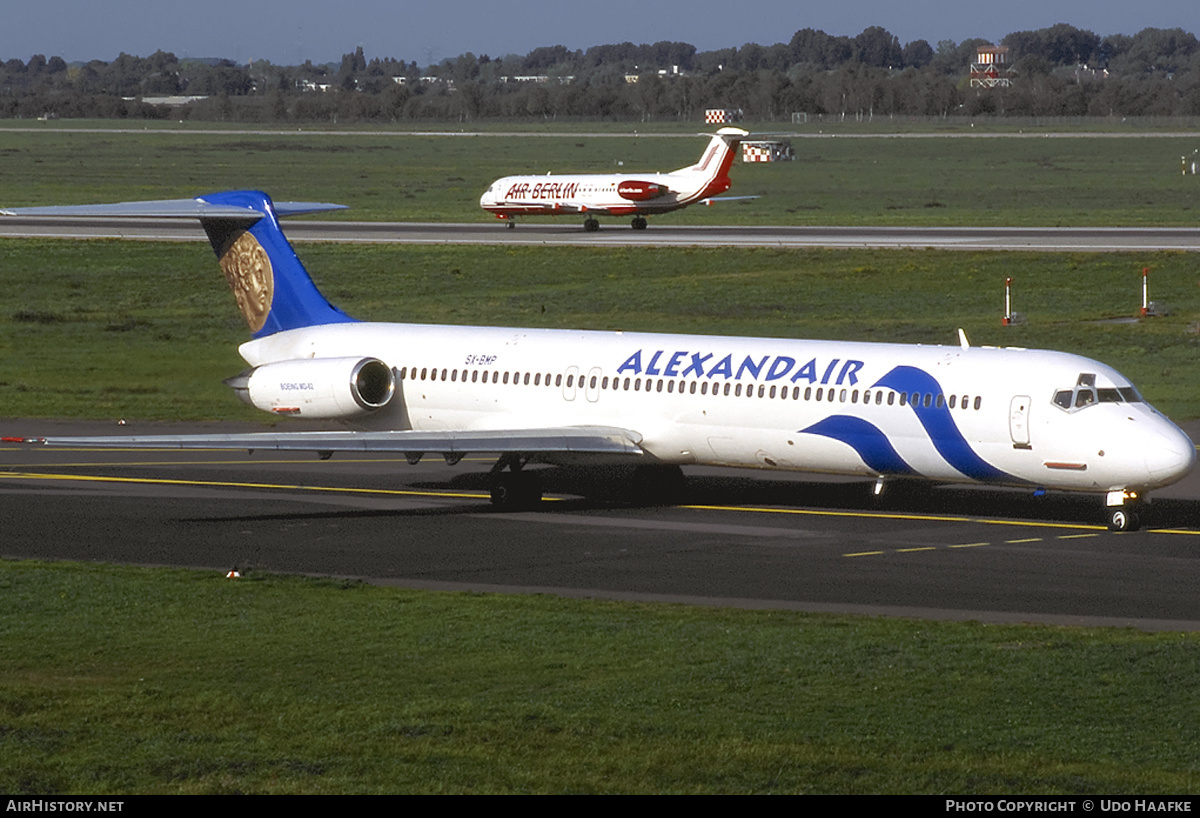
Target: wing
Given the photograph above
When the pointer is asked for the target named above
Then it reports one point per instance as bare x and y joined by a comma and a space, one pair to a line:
599, 440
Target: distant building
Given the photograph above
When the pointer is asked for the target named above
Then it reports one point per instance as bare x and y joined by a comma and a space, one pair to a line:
990, 68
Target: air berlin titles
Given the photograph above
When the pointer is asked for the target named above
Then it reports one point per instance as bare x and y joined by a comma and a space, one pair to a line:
542, 190
685, 364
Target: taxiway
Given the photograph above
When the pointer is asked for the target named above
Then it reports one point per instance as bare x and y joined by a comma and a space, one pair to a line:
765, 540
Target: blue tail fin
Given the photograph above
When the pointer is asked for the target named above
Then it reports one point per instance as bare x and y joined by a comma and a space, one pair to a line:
273, 290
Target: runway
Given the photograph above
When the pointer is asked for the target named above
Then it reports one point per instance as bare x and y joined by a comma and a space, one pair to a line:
567, 230
738, 538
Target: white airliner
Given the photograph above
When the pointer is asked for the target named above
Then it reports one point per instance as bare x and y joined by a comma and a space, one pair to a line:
617, 194
956, 414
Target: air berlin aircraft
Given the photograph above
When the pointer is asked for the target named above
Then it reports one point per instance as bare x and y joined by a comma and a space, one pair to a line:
617, 194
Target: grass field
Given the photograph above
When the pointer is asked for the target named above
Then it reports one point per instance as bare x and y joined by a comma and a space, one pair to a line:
120, 680
952, 179
106, 329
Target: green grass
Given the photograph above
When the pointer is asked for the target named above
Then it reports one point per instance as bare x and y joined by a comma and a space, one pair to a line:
397, 176
108, 329
120, 680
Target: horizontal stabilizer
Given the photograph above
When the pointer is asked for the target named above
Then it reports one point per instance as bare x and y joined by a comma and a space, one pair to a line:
196, 208
714, 199
571, 439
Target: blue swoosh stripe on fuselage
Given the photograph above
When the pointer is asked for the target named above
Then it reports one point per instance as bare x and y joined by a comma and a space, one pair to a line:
868, 440
940, 425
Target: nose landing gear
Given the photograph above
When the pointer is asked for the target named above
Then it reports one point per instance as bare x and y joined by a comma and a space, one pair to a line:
1125, 510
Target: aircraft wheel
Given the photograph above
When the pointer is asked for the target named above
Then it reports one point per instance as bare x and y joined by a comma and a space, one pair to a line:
1123, 519
591, 225
517, 492
639, 223
511, 224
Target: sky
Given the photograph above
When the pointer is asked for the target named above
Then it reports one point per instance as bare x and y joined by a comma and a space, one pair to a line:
322, 30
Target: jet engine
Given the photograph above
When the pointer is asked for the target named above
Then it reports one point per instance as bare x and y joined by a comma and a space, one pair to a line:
636, 191
324, 388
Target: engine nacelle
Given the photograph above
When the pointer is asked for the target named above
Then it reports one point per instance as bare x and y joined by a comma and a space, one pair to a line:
636, 191
323, 388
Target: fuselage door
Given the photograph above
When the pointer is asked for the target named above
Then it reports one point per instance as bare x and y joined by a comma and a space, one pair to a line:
570, 382
1018, 420
592, 387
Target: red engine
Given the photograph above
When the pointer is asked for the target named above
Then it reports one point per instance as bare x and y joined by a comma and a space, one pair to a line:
636, 191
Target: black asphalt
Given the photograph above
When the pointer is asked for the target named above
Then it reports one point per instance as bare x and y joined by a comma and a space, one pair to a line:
739, 538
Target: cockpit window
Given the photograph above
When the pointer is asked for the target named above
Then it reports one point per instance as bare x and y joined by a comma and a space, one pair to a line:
1085, 394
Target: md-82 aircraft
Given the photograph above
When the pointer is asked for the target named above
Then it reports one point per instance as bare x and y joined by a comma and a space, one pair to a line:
1033, 419
617, 194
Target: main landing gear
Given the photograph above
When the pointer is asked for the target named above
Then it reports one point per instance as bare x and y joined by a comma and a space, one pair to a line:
516, 489
591, 225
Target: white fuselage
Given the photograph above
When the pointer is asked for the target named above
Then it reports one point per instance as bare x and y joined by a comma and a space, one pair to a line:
947, 413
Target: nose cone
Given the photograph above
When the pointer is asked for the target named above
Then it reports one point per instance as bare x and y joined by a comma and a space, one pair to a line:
1170, 455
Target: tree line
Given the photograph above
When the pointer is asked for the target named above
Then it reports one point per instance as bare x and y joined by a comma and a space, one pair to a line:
1057, 71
